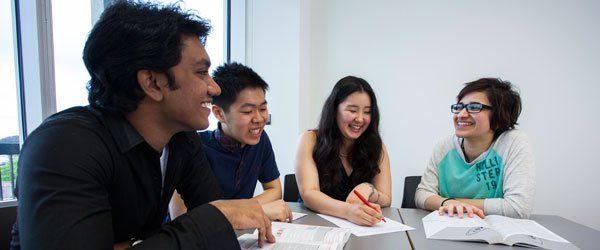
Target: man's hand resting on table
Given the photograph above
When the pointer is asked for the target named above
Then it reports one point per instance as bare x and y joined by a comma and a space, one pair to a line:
245, 214
278, 211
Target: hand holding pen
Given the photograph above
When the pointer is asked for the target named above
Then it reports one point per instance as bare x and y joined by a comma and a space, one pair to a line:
366, 202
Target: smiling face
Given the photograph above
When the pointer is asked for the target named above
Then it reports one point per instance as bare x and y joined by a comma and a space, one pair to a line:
354, 115
186, 108
246, 118
474, 125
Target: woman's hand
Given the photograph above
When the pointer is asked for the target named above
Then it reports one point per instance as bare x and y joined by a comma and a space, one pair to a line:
365, 190
450, 206
361, 214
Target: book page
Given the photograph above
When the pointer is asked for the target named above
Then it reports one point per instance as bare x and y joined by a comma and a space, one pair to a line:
434, 223
309, 233
250, 242
380, 228
509, 226
299, 236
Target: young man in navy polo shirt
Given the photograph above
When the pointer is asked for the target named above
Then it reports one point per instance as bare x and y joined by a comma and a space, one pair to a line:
239, 150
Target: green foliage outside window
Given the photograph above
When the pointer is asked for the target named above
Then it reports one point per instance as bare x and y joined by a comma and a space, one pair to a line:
5, 169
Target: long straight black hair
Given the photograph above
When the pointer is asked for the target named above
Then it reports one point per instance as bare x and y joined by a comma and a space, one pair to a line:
365, 154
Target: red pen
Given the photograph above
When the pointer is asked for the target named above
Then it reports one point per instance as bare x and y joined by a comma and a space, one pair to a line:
366, 202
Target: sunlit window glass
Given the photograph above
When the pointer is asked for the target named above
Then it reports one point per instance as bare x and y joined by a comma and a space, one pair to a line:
71, 24
9, 123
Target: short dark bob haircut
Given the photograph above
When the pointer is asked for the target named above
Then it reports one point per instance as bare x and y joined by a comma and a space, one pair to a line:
233, 78
134, 36
505, 100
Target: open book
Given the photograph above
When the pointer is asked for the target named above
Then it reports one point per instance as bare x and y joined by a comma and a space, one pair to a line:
298, 236
495, 229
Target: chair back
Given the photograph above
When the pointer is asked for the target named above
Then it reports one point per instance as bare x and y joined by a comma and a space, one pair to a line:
290, 188
8, 216
410, 187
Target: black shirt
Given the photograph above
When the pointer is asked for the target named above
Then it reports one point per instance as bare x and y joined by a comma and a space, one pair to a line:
343, 189
339, 192
87, 180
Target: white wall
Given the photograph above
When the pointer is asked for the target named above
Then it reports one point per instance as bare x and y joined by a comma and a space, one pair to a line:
417, 55
272, 50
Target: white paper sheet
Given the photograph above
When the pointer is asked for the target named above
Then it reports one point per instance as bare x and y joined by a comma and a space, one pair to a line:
296, 215
380, 228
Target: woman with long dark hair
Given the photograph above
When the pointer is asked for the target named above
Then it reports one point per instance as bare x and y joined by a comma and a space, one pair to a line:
345, 154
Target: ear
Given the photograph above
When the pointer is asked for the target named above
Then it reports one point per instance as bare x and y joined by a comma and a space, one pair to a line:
149, 83
218, 113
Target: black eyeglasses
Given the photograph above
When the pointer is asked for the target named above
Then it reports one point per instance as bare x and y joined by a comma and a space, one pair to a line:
474, 107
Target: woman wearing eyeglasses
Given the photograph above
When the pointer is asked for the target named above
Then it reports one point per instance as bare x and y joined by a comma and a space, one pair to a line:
345, 154
487, 166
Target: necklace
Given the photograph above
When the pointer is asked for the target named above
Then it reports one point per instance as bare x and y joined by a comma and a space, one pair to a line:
344, 155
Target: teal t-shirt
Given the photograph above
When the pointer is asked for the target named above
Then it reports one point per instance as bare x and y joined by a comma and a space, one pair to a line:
481, 180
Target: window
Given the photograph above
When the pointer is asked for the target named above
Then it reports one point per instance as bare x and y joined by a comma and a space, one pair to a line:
70, 30
9, 121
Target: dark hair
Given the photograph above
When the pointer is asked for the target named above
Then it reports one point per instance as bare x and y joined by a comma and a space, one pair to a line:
364, 156
132, 36
233, 78
505, 100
